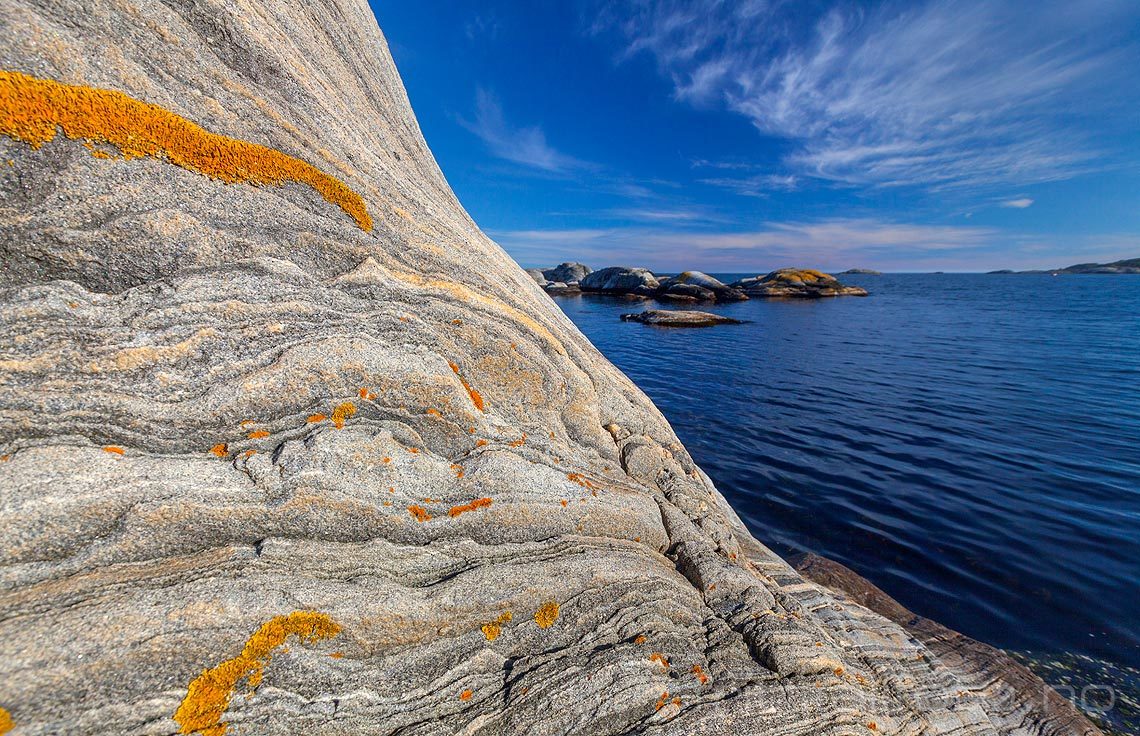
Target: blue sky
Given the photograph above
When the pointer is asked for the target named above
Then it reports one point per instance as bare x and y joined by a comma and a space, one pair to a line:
747, 136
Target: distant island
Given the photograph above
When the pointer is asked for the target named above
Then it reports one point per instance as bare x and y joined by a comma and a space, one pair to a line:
861, 271
571, 278
1131, 265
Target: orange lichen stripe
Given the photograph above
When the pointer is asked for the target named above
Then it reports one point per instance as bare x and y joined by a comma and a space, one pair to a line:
479, 503
466, 694
343, 412
6, 722
419, 512
546, 615
259, 434
221, 449
114, 449
32, 109
476, 397
209, 694
314, 418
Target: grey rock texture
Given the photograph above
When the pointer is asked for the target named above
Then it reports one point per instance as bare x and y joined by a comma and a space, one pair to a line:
536, 274
272, 474
796, 283
621, 280
700, 286
679, 318
567, 273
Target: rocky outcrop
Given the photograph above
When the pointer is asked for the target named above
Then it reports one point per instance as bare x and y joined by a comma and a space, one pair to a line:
567, 273
538, 276
679, 318
697, 286
1016, 695
796, 283
620, 280
289, 446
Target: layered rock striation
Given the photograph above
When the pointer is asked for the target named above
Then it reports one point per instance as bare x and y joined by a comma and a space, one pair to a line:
267, 470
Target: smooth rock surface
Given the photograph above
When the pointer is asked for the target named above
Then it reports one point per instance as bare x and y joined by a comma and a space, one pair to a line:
538, 276
679, 318
796, 283
226, 410
569, 272
621, 280
700, 285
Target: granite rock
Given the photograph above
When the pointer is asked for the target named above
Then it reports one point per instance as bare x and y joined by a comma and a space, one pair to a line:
679, 318
621, 280
569, 272
796, 283
264, 470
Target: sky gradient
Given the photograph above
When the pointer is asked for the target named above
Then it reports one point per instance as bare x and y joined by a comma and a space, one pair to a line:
748, 136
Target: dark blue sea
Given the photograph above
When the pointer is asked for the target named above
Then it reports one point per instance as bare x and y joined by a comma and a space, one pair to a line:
969, 443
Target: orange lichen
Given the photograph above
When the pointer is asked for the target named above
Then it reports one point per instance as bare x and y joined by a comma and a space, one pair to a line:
6, 722
479, 503
314, 418
364, 393
414, 450
419, 512
700, 673
434, 412
492, 629
31, 110
343, 412
662, 700
838, 672
221, 449
640, 639
480, 443
249, 453
519, 442
660, 659
209, 694
385, 459
337, 655
466, 694
257, 435
580, 480
873, 726
546, 615
476, 397
114, 450
5, 458
563, 502
456, 322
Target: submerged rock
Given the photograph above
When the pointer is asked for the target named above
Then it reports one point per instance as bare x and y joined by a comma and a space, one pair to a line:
797, 283
679, 318
305, 452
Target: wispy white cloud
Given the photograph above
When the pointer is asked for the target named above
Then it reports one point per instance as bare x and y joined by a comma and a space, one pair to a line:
526, 146
1018, 204
966, 94
760, 185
